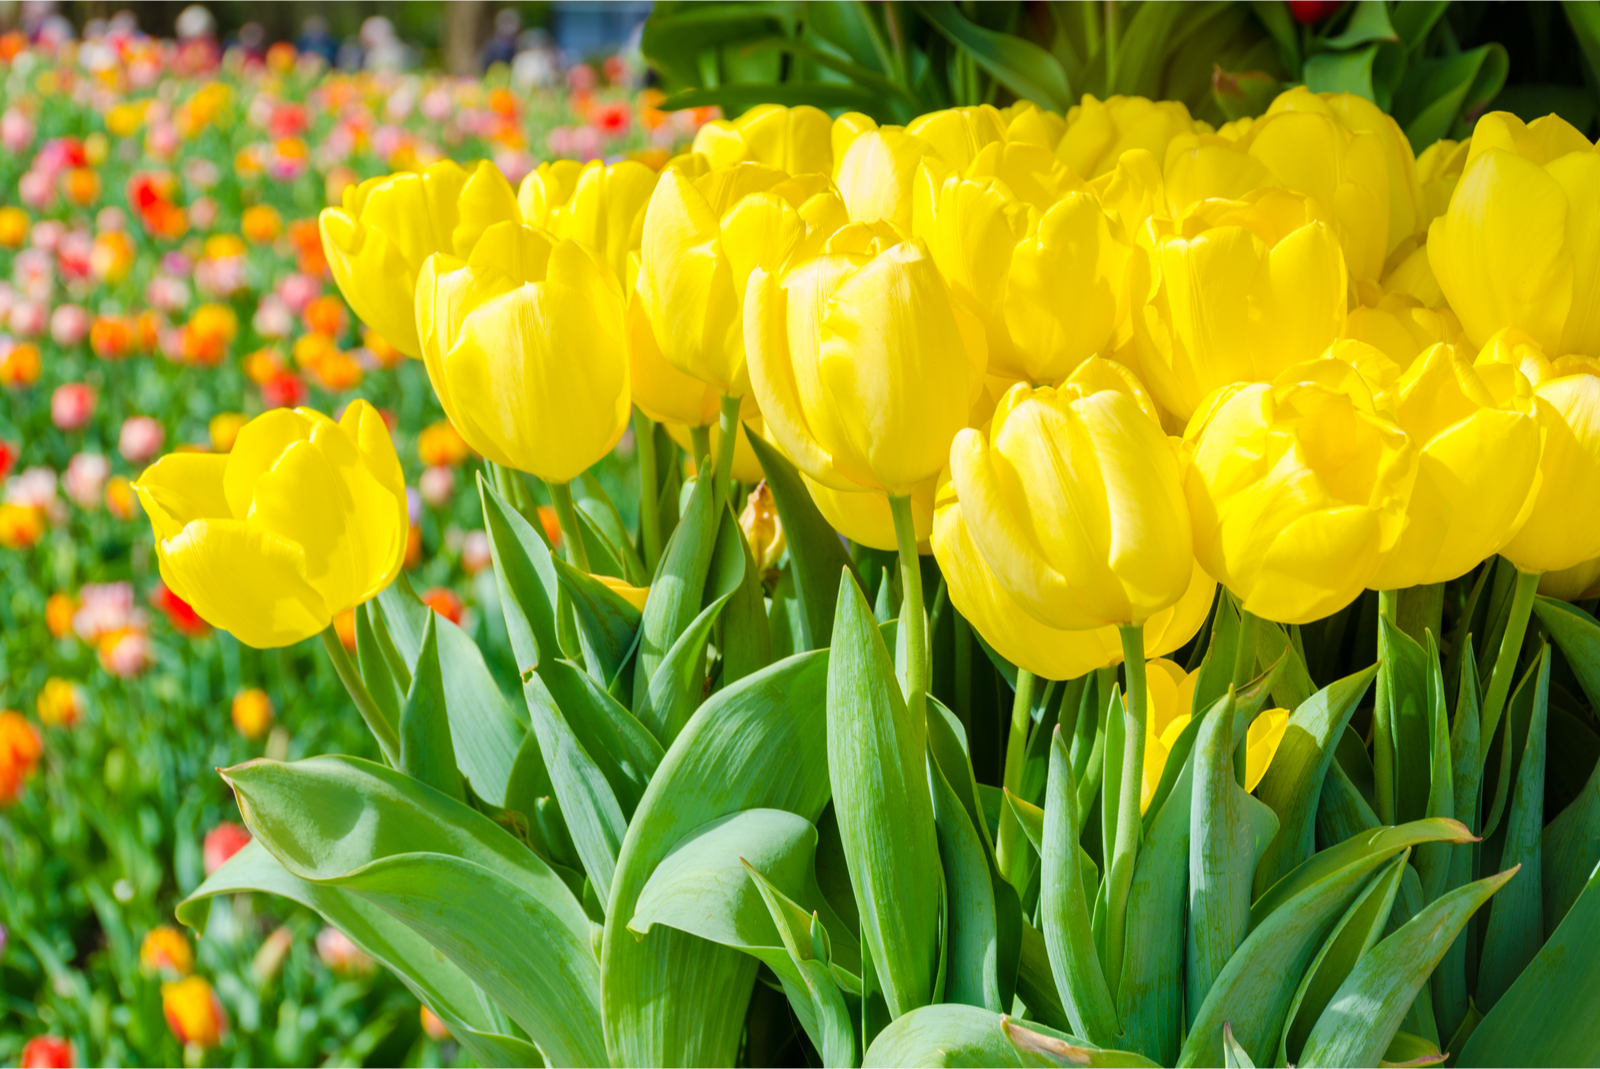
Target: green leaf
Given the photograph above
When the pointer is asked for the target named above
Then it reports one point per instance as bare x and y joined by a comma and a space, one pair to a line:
483, 728
426, 753
1293, 781
1216, 668
1366, 1012
1546, 1017
1228, 832
814, 993
1036, 985
1050, 1048
739, 97
672, 998
1150, 991
1369, 21
946, 1034
1342, 813
526, 574
676, 591
973, 933
816, 555
608, 624
1516, 920
1577, 635
602, 521
435, 981
1293, 686
1401, 738
1433, 859
1342, 72
1233, 1055
1064, 908
1451, 1004
387, 677
1570, 851
1436, 93
1018, 64
1142, 49
1357, 932
876, 755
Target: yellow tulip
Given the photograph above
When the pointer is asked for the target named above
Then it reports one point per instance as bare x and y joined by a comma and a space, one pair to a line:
304, 519
1297, 489
1563, 528
958, 135
1099, 132
794, 140
1016, 635
1438, 171
525, 343
1402, 327
1028, 123
1168, 711
864, 517
633, 595
377, 241
876, 176
1242, 291
1517, 247
1050, 290
1478, 443
1075, 500
864, 367
661, 391
600, 205
703, 235
1577, 583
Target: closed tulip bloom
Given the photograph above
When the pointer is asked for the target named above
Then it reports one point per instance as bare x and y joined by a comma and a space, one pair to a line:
1478, 443
304, 519
958, 135
377, 241
1099, 132
1241, 291
1169, 710
1297, 490
1563, 528
794, 140
1577, 583
525, 343
1517, 247
1074, 499
864, 367
1050, 288
600, 205
1018, 636
877, 176
703, 235
661, 391
1402, 327
864, 517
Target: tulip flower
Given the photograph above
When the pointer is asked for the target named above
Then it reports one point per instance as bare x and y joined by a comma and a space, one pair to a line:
1240, 292
794, 140
1074, 499
48, 1052
1577, 583
377, 241
1402, 327
1297, 489
500, 333
252, 712
193, 1012
1478, 442
1099, 132
303, 519
1171, 701
165, 949
597, 204
20, 751
876, 176
1050, 290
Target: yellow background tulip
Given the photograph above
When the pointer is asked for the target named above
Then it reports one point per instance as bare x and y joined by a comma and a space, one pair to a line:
1563, 528
1478, 445
304, 519
1402, 327
377, 241
1099, 132
1577, 583
864, 517
525, 345
1297, 490
863, 365
1517, 247
1169, 709
600, 205
1074, 498
794, 140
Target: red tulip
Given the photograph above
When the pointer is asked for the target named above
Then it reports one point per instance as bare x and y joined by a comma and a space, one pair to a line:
1310, 12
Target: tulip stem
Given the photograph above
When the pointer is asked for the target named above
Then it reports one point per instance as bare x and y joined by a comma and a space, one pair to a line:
1129, 826
914, 616
1505, 662
726, 442
571, 533
644, 436
1017, 743
377, 722
700, 445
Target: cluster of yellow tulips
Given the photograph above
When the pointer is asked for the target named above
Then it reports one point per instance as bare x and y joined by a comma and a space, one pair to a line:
1097, 362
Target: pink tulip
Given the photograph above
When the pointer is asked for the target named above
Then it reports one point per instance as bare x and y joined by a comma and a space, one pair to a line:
28, 318
71, 406
16, 130
69, 325
85, 479
35, 189
437, 485
140, 440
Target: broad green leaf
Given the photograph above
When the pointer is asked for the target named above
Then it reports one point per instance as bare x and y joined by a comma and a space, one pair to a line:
1064, 909
601, 516
1577, 635
1369, 21
876, 754
1216, 669
1406, 1049
1433, 859
483, 728
387, 678
1289, 924
435, 981
1516, 919
426, 753
680, 679
1018, 64
746, 641
949, 1034
1341, 811
1437, 93
816, 554
1357, 932
815, 994
608, 624
1039, 1046
676, 590
1547, 1015
449, 873
1142, 49
672, 998
736, 97
1228, 832
947, 742
972, 928
1401, 740
1366, 1012
1342, 72
1292, 785
526, 573
1570, 851
1150, 991
1036, 986
1451, 1003
1293, 686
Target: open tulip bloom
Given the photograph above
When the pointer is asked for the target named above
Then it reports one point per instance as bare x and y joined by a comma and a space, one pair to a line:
1186, 439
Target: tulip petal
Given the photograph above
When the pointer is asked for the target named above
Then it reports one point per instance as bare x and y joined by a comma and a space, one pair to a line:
249, 582
183, 487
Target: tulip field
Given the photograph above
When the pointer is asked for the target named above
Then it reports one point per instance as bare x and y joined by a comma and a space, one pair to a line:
589, 577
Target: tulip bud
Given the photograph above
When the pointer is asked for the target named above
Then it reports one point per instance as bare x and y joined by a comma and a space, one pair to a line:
71, 406
48, 1052
378, 241
793, 140
1516, 247
1478, 443
166, 950
762, 528
252, 713
193, 1012
1098, 133
599, 205
60, 703
303, 519
221, 843
1297, 489
69, 325
341, 955
499, 331
864, 367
